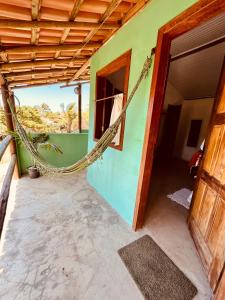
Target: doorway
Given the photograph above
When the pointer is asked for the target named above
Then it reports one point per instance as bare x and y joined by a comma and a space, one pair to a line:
197, 15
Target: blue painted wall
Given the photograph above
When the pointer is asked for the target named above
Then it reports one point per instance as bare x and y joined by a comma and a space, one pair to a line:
115, 177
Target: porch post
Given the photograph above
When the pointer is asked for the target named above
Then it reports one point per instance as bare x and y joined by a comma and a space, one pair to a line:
79, 109
9, 122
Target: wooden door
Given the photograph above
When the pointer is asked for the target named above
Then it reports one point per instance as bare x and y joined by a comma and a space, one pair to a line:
207, 217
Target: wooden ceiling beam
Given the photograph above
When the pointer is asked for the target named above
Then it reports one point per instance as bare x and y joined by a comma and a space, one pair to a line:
73, 15
136, 8
75, 9
11, 76
33, 85
41, 63
54, 25
35, 8
39, 80
46, 48
41, 84
81, 70
74, 84
110, 9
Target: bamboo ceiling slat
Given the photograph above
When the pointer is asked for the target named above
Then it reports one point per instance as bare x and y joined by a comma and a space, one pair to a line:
42, 39
76, 7
38, 72
13, 33
16, 24
50, 48
34, 81
65, 62
19, 3
62, 5
50, 82
109, 10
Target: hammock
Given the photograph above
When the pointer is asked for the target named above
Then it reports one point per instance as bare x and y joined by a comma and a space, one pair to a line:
45, 168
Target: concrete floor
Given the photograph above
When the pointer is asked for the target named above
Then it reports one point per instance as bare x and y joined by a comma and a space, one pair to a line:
166, 222
60, 242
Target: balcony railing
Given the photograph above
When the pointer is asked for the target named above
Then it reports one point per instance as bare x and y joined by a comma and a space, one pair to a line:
4, 195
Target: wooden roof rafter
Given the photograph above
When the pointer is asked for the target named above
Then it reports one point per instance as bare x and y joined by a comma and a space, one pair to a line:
47, 48
41, 63
110, 9
35, 82
35, 8
73, 15
12, 76
41, 84
20, 24
133, 10
39, 36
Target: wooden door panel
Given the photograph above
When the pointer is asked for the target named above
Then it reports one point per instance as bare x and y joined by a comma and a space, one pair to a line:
216, 242
198, 200
213, 149
207, 217
206, 210
219, 169
221, 288
221, 106
201, 245
218, 226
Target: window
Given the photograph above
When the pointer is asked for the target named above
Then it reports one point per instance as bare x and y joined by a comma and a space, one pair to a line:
111, 80
194, 133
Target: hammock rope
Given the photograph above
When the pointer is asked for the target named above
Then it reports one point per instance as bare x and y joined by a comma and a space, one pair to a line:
102, 144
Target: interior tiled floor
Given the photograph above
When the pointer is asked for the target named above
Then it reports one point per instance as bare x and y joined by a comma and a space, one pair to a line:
60, 241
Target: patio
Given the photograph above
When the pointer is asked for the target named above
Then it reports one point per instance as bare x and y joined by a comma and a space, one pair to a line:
60, 241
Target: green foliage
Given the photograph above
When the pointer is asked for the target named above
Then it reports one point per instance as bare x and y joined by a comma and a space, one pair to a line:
70, 115
45, 107
42, 119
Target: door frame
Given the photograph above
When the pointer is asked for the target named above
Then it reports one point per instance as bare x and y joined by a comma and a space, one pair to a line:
192, 17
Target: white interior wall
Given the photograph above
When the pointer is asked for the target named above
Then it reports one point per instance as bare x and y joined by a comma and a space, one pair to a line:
172, 96
198, 109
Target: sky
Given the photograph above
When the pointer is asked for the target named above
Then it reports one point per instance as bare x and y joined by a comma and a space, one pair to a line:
52, 95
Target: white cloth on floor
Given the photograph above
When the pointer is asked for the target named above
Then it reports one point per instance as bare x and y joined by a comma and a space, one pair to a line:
182, 197
116, 110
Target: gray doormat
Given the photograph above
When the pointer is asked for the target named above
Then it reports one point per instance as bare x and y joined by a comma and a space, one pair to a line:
156, 275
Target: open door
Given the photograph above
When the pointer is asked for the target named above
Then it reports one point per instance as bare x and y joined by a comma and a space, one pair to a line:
207, 217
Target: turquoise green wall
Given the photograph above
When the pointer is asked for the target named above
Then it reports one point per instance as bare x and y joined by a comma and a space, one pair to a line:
74, 147
116, 176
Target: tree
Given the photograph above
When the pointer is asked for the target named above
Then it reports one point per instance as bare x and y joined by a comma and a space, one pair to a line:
70, 116
30, 118
41, 119
45, 108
